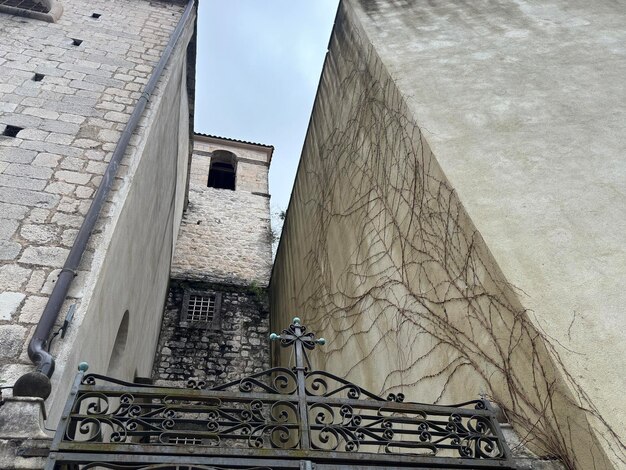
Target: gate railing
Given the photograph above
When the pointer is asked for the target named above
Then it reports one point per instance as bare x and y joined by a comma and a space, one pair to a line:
272, 419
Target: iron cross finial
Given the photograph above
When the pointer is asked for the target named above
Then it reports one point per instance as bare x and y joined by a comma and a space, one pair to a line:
296, 335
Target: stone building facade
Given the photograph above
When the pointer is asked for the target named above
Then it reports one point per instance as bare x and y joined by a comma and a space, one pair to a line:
69, 83
216, 317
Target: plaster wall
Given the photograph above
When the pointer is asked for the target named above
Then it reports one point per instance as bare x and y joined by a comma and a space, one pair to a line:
73, 119
457, 222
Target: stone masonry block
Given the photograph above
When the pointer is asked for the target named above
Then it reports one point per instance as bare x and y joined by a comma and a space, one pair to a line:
83, 192
13, 277
67, 220
38, 216
7, 107
33, 134
72, 118
21, 120
9, 250
11, 340
32, 309
17, 155
44, 256
59, 187
117, 117
72, 177
35, 283
49, 160
11, 211
73, 164
7, 228
56, 138
62, 126
18, 169
38, 233
9, 303
21, 182
27, 198
42, 113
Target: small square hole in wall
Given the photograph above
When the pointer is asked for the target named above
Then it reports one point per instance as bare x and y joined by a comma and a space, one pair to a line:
11, 131
96, 15
77, 42
38, 77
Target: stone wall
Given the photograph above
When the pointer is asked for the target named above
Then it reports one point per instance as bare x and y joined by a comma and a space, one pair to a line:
224, 237
434, 122
238, 347
223, 246
71, 120
253, 161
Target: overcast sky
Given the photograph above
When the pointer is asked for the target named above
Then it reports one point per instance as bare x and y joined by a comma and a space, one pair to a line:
258, 67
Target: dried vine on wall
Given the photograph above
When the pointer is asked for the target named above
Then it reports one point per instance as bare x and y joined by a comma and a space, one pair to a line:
397, 268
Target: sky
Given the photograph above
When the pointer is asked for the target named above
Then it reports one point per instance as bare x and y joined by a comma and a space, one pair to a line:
257, 70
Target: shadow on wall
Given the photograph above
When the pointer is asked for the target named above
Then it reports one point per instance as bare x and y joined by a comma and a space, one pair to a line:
116, 361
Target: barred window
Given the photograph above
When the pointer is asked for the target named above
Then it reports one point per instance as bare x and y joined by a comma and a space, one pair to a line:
202, 309
185, 440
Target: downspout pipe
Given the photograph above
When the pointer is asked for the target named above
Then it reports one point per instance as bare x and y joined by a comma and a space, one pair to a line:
36, 348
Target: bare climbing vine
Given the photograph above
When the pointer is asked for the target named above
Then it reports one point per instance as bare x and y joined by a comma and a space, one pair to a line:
396, 270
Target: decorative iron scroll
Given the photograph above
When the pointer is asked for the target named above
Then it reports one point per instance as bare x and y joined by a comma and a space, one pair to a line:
281, 410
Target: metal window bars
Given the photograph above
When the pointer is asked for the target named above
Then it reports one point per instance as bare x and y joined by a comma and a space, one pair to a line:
201, 308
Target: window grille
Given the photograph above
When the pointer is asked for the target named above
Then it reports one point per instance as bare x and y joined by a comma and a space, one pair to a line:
189, 441
202, 309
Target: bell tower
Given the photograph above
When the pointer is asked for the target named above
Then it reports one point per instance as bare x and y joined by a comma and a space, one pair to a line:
216, 314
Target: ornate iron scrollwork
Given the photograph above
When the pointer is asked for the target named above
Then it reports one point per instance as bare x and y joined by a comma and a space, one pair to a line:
284, 410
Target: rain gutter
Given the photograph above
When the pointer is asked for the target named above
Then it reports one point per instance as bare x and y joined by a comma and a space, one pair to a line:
32, 382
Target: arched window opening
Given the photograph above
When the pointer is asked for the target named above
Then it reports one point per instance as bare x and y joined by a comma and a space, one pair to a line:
223, 170
116, 362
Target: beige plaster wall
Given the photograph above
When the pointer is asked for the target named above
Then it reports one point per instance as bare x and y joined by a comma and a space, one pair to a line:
457, 214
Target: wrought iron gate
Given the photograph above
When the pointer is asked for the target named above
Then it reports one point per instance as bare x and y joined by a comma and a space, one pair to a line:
280, 418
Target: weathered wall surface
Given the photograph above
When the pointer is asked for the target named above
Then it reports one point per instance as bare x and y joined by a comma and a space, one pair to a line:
459, 208
224, 237
253, 161
238, 347
223, 249
50, 170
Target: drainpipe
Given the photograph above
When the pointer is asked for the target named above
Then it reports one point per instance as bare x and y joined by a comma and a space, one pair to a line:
38, 383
